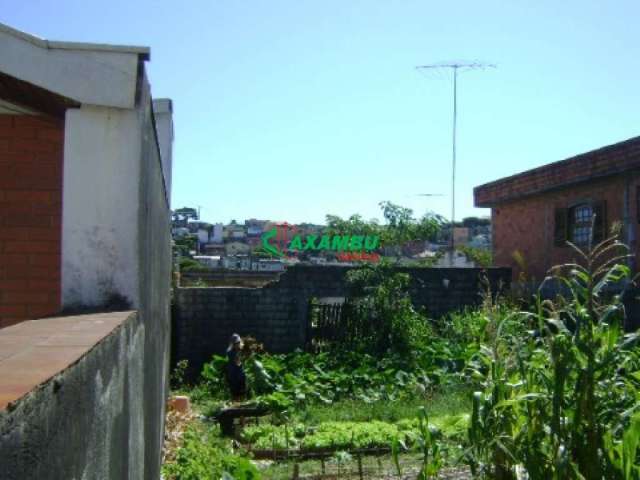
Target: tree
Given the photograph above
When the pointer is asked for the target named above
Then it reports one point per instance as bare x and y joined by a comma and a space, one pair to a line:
181, 216
354, 225
400, 228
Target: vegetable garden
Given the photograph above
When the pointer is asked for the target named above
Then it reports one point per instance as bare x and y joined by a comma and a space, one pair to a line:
538, 389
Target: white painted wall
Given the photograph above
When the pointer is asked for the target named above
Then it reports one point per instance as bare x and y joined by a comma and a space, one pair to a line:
218, 229
203, 235
163, 113
100, 205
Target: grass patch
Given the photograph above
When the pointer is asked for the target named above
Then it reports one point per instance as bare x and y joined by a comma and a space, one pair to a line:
452, 402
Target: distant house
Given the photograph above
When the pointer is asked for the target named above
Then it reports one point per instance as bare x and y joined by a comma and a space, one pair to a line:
214, 249
217, 234
535, 213
268, 265
211, 261
236, 248
234, 231
460, 236
255, 227
237, 262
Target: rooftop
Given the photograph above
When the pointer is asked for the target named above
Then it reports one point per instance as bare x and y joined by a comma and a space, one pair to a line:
145, 52
606, 161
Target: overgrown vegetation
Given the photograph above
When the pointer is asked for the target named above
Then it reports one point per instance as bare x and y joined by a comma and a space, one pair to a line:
561, 401
552, 392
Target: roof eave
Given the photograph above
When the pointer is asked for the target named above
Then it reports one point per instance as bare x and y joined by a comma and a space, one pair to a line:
143, 52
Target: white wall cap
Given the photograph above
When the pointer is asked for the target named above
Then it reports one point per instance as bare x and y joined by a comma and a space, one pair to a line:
93, 74
145, 52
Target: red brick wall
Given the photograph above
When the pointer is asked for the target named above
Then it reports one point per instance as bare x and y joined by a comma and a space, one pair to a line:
31, 153
527, 225
611, 160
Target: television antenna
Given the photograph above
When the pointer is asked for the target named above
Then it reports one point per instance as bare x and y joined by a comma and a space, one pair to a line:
455, 66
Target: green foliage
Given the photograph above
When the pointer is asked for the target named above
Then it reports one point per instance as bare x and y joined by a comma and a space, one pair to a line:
190, 265
480, 256
347, 435
299, 379
401, 226
177, 377
429, 447
354, 225
384, 318
182, 246
556, 401
205, 456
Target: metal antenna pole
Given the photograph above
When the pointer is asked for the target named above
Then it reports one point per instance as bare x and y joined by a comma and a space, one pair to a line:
455, 66
453, 162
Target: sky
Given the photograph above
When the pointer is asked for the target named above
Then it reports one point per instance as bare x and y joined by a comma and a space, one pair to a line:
291, 110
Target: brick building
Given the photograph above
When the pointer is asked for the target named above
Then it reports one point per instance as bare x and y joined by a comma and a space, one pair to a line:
534, 213
85, 260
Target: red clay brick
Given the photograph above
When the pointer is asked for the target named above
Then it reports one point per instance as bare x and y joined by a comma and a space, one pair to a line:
50, 135
25, 298
35, 121
41, 233
6, 121
45, 284
50, 208
31, 246
29, 196
27, 220
13, 233
13, 259
13, 285
44, 260
15, 158
28, 145
39, 311
24, 133
30, 215
13, 311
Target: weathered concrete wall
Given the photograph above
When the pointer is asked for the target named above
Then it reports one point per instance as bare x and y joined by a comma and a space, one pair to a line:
87, 421
100, 206
154, 282
276, 314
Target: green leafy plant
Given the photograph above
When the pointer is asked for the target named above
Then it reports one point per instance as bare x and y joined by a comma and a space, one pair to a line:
204, 455
429, 447
556, 400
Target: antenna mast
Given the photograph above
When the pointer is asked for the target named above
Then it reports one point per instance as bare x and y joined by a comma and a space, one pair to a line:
455, 66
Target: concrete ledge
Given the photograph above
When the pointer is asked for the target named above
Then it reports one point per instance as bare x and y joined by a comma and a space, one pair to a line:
34, 351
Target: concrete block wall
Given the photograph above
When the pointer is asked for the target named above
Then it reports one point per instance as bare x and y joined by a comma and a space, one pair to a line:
276, 314
31, 152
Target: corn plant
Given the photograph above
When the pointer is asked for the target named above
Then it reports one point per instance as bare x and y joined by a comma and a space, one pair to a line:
557, 403
429, 447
